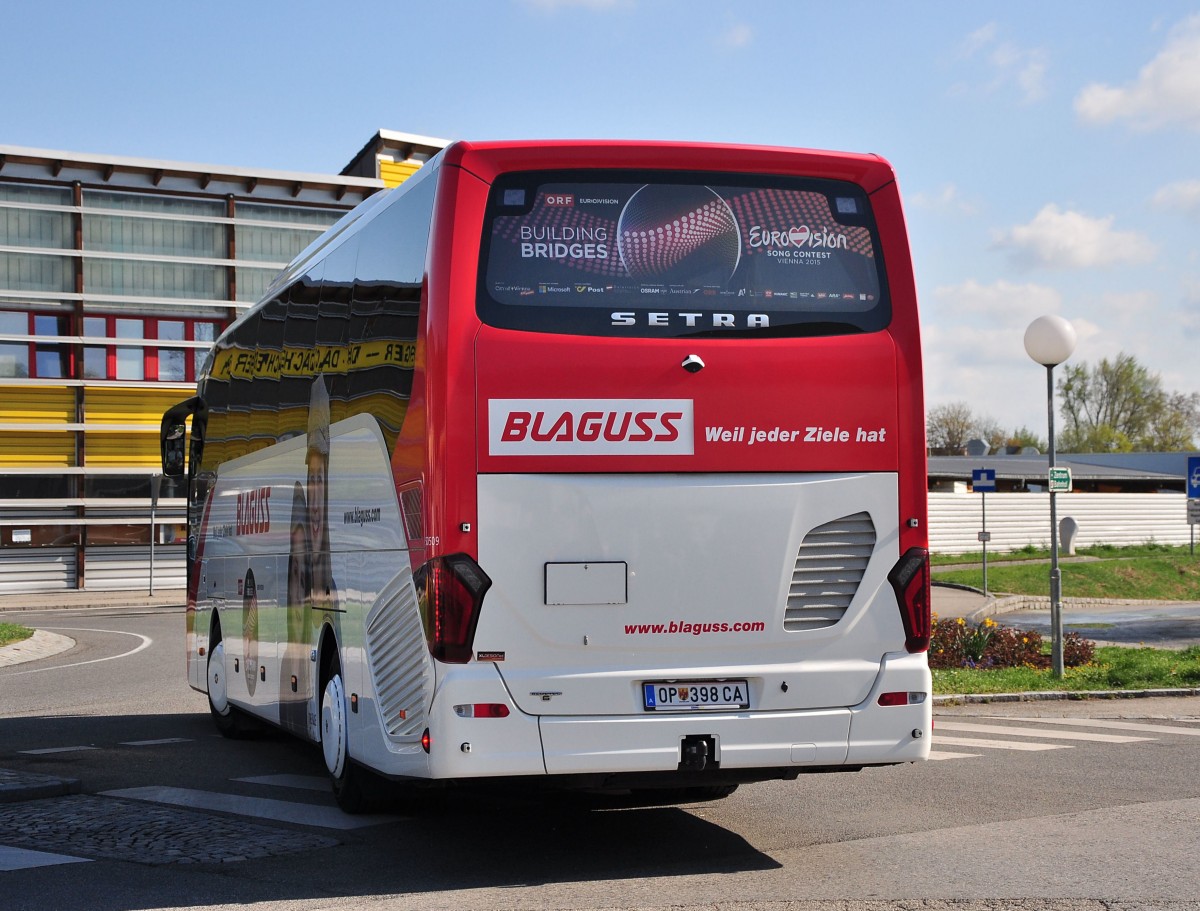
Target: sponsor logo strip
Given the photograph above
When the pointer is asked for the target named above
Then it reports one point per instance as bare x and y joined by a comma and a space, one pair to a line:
590, 427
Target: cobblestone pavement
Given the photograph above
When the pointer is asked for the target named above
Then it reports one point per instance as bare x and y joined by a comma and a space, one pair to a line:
114, 829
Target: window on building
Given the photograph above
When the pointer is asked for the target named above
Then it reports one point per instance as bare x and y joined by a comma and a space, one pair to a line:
34, 356
14, 356
52, 361
177, 360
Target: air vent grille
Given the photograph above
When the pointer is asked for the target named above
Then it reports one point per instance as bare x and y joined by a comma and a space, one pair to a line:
397, 657
829, 569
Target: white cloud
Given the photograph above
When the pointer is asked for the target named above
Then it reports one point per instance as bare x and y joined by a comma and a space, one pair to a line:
553, 6
1180, 196
737, 36
1166, 91
1058, 239
1000, 303
947, 199
978, 39
1189, 310
1024, 68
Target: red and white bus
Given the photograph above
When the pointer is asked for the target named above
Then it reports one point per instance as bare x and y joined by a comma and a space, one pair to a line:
600, 463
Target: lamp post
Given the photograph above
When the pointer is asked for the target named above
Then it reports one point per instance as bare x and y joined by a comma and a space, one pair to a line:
1049, 340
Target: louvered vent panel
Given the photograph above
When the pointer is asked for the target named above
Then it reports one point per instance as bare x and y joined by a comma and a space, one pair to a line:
396, 650
829, 569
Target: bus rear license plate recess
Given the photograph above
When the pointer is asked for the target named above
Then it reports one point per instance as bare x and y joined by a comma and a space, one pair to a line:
695, 695
600, 582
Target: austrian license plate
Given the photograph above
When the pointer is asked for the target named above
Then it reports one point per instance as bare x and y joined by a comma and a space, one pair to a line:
695, 695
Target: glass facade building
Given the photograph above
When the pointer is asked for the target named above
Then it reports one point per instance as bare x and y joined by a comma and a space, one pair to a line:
116, 275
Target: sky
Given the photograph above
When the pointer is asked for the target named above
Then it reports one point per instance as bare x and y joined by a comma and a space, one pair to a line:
1048, 153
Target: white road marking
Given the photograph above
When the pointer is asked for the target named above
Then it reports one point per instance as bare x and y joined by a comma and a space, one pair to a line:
1010, 731
256, 807
946, 754
154, 743
47, 750
1115, 725
145, 644
23, 859
302, 782
978, 742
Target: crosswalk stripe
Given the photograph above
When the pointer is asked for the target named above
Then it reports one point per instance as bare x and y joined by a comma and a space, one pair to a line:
1116, 725
24, 859
946, 754
1012, 731
300, 782
979, 742
258, 807
154, 743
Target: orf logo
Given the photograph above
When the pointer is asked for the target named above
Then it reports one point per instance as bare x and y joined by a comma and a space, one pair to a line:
590, 427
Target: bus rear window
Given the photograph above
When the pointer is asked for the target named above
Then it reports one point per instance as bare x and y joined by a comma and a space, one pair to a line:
678, 255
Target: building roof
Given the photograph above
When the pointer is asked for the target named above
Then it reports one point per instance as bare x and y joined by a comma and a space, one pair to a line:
393, 146
188, 177
1035, 468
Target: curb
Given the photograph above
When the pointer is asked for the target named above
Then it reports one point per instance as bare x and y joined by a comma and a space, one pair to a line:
19, 786
1060, 695
42, 644
73, 600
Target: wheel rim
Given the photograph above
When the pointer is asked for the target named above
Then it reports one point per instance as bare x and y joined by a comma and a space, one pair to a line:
218, 695
333, 726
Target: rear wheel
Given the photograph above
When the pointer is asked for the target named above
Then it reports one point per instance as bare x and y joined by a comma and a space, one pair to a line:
347, 778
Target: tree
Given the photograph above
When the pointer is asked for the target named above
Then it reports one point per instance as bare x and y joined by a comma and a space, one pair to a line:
1023, 438
948, 427
1120, 406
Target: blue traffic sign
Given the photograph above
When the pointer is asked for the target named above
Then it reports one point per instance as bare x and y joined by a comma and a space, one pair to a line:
983, 480
1193, 478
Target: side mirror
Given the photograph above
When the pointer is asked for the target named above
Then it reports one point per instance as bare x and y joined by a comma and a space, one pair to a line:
174, 449
173, 437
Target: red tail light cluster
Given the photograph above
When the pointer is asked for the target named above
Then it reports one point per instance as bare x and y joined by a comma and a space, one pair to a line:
910, 579
451, 590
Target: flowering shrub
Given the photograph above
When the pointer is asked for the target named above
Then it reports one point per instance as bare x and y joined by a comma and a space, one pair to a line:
956, 643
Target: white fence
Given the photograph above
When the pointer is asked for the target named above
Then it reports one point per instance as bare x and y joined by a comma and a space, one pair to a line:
1014, 520
1017, 519
46, 569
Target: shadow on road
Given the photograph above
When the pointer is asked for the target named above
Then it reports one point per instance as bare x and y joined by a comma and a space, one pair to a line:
468, 838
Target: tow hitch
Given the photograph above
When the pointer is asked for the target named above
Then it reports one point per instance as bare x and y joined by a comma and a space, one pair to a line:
696, 753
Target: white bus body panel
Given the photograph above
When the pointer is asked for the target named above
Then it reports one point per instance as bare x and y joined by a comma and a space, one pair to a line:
371, 607
708, 563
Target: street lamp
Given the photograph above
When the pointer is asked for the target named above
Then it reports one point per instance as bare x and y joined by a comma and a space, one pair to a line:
1049, 340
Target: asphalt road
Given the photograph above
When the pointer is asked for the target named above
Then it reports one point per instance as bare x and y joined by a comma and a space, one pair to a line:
1074, 805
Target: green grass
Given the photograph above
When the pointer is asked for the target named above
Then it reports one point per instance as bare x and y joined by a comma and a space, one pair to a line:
10, 633
1042, 552
1169, 577
1113, 668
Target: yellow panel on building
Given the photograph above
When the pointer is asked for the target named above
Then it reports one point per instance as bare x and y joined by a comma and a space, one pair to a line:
110, 449
394, 173
39, 405
25, 449
141, 405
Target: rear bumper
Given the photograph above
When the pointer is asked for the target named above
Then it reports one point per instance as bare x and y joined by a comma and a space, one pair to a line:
652, 743
746, 745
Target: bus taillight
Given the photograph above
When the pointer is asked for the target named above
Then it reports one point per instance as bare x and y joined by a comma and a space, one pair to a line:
451, 590
910, 579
